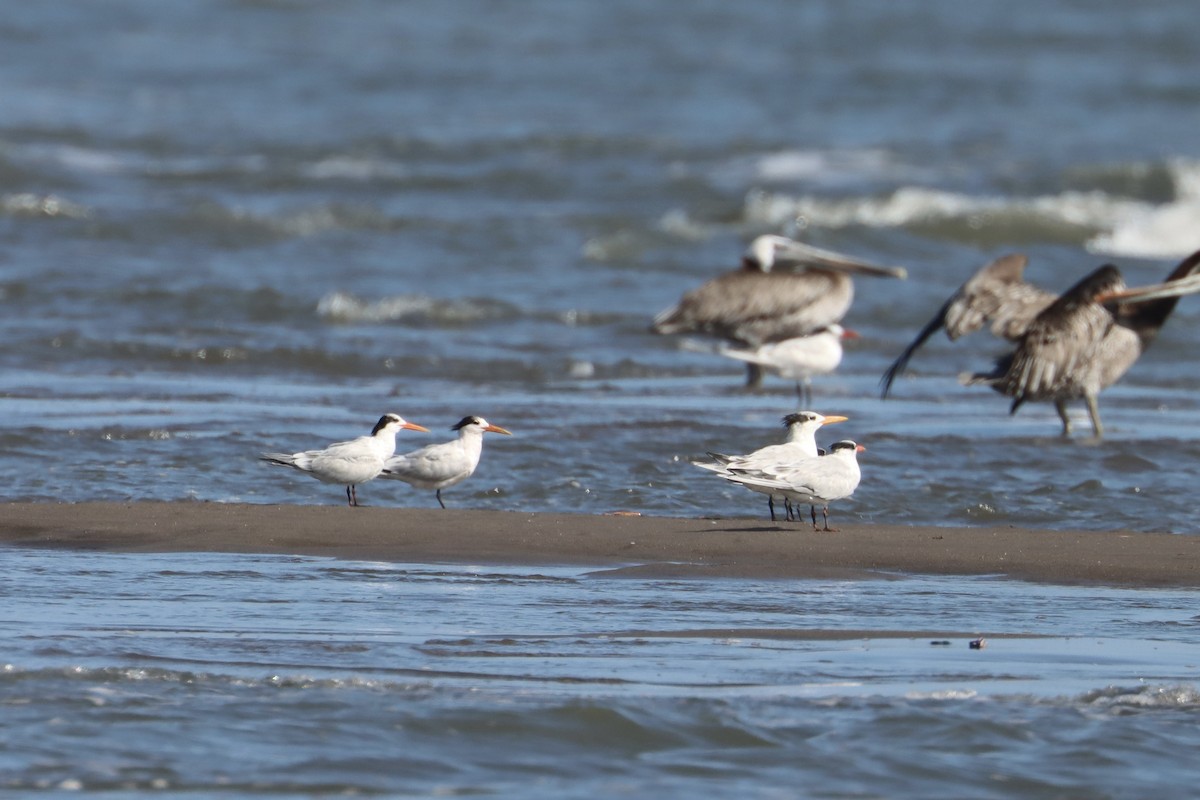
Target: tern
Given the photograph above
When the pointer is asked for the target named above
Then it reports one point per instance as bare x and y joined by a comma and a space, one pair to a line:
439, 466
815, 481
800, 444
784, 290
1069, 347
349, 463
798, 359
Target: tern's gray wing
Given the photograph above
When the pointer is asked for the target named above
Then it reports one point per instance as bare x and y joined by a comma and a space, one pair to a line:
432, 464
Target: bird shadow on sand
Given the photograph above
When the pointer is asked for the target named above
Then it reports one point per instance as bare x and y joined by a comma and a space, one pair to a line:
778, 527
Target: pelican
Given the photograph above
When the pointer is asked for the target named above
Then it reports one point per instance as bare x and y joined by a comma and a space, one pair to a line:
996, 294
798, 359
816, 481
800, 443
349, 463
784, 290
440, 466
1072, 348
1176, 287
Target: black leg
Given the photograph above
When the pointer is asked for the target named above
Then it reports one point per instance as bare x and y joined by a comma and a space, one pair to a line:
771, 506
813, 511
804, 394
754, 376
787, 506
825, 512
439, 497
349, 497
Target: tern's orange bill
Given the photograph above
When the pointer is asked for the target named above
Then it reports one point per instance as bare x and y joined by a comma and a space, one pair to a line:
498, 429
412, 426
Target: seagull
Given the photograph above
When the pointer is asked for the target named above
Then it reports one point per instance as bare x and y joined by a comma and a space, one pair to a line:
349, 463
815, 481
438, 466
798, 359
1069, 347
784, 290
799, 444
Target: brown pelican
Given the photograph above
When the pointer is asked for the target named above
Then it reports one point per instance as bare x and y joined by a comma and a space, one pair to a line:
1176, 287
996, 294
1072, 348
784, 290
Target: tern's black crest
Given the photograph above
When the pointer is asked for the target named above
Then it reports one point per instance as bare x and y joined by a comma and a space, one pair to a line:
465, 421
796, 419
384, 421
844, 444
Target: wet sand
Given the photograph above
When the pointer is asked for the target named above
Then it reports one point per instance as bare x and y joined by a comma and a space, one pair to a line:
631, 545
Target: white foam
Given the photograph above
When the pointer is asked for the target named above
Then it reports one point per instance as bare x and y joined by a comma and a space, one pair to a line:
347, 308
826, 168
1103, 223
1163, 231
47, 205
915, 204
341, 167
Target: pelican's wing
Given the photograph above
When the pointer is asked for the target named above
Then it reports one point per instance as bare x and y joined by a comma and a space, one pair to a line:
997, 295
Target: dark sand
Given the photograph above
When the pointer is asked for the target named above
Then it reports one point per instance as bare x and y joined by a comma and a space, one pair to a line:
631, 545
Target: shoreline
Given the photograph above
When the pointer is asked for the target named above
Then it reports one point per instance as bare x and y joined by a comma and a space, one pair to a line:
617, 545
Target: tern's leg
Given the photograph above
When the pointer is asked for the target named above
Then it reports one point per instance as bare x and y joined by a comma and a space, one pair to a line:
1094, 413
804, 393
787, 505
813, 510
825, 513
439, 498
1061, 407
771, 506
351, 495
754, 376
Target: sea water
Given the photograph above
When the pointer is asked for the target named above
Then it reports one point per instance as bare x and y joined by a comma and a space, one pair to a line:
241, 675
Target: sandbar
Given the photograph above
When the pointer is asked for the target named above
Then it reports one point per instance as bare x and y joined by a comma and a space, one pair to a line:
614, 544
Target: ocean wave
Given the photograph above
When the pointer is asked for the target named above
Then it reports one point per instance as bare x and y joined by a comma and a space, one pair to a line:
27, 204
105, 680
826, 169
1100, 220
1162, 230
1118, 699
287, 223
413, 308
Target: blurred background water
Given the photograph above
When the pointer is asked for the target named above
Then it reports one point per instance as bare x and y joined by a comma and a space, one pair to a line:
229, 226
